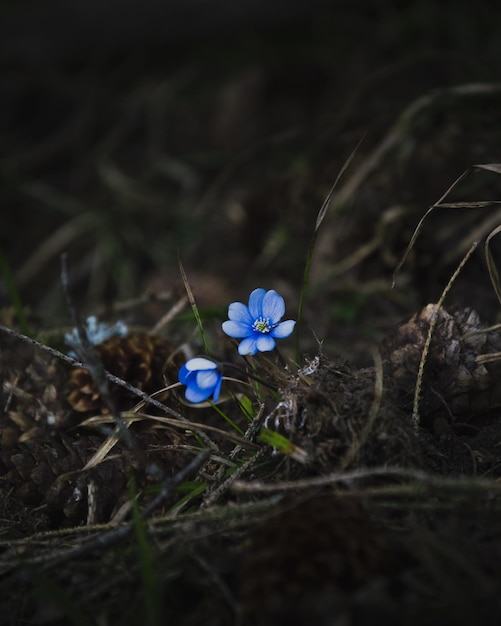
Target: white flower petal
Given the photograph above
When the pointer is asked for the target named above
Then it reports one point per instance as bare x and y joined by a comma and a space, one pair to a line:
200, 363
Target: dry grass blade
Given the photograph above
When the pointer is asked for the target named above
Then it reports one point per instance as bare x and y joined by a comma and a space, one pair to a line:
440, 204
395, 137
419, 478
426, 348
489, 167
61, 239
309, 257
418, 228
326, 203
491, 265
130, 417
105, 448
481, 204
488, 358
170, 315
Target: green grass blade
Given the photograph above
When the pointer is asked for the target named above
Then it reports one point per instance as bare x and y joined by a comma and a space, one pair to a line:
306, 276
146, 562
227, 419
194, 307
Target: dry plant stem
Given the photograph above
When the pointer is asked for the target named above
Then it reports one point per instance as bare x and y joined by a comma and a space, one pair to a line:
157, 526
418, 228
225, 486
59, 240
388, 218
440, 204
426, 348
421, 479
126, 305
491, 265
137, 417
488, 358
169, 316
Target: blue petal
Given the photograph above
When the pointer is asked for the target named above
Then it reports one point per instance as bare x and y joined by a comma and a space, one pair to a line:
256, 303
284, 329
238, 312
273, 306
247, 346
207, 379
265, 343
217, 389
236, 329
196, 395
185, 375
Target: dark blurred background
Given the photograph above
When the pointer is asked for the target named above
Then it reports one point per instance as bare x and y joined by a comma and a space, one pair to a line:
132, 133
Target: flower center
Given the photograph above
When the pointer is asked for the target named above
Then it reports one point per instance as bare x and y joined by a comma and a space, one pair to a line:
262, 325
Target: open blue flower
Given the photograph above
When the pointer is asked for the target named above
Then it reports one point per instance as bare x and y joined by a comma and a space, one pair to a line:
258, 324
202, 379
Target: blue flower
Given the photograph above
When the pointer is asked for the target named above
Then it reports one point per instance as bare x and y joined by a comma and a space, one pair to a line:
258, 324
96, 333
202, 379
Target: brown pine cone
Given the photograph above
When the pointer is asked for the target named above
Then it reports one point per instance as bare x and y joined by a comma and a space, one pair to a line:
42, 449
143, 360
456, 383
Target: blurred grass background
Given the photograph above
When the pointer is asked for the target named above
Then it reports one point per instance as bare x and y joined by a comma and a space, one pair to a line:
131, 133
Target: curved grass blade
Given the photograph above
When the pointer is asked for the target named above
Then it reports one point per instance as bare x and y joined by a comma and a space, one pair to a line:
491, 265
306, 276
440, 204
194, 307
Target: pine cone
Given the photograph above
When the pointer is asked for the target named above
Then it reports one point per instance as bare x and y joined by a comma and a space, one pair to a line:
456, 383
144, 361
42, 450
